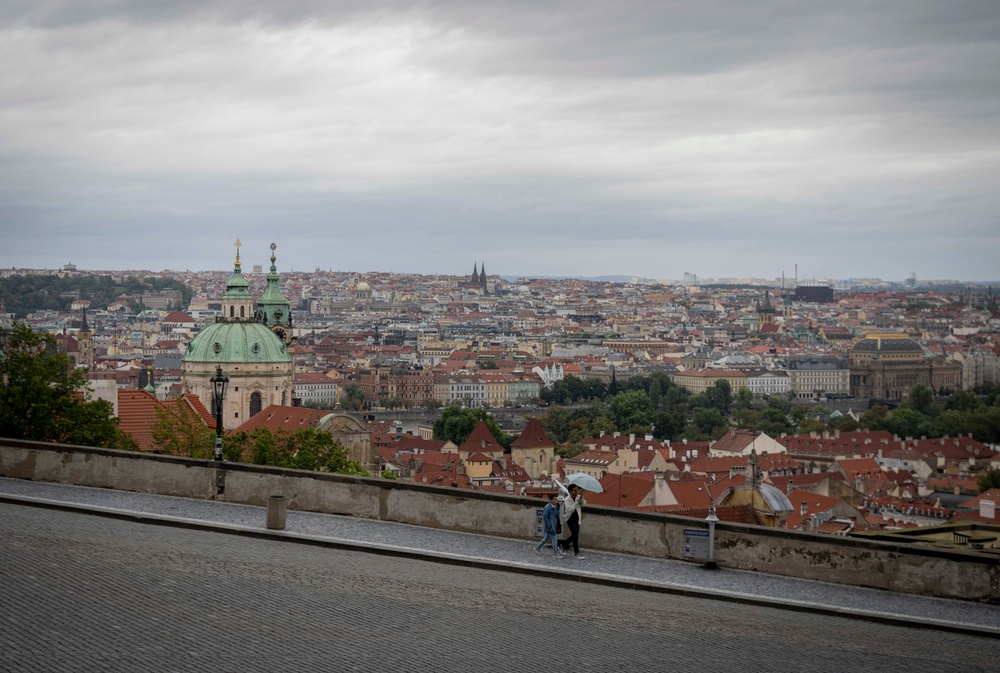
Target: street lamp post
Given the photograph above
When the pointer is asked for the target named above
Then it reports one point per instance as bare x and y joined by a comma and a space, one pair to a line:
712, 519
219, 383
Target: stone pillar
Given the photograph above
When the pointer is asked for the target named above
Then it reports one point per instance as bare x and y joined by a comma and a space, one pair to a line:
276, 505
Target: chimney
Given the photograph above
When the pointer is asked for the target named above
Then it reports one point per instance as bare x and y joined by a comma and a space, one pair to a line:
987, 509
600, 435
631, 439
803, 508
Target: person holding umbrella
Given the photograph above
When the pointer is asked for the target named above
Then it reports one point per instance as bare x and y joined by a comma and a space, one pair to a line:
571, 511
550, 523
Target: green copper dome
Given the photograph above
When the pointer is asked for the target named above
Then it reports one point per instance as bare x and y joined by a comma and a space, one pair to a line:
237, 341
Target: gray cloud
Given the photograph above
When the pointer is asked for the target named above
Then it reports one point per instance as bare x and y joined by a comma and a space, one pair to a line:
725, 138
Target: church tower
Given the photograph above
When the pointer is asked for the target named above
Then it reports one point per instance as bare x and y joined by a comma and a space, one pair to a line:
765, 311
256, 361
85, 343
237, 302
272, 308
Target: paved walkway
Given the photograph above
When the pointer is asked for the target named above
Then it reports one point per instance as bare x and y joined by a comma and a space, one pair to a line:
517, 556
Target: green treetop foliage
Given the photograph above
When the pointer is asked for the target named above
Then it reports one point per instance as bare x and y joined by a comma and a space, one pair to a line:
989, 479
179, 431
40, 396
921, 400
631, 408
682, 415
352, 396
305, 449
25, 294
456, 423
720, 396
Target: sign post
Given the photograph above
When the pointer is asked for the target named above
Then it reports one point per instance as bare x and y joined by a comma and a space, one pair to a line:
699, 544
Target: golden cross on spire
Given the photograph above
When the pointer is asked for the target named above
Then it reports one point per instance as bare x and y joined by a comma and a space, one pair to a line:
238, 246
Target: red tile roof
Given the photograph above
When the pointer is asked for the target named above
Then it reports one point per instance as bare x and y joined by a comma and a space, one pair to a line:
973, 503
276, 417
481, 439
532, 437
137, 413
623, 490
691, 493
814, 504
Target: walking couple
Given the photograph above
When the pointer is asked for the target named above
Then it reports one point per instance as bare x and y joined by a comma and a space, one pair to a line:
568, 512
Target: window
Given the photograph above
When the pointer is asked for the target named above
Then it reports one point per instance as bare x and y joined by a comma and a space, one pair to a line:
255, 404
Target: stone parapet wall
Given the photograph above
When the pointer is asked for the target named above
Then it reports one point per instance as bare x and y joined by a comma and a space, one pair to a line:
915, 570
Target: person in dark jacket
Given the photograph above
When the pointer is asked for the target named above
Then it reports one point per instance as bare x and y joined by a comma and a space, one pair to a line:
550, 525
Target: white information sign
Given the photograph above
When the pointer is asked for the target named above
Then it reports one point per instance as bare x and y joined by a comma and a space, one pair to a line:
696, 544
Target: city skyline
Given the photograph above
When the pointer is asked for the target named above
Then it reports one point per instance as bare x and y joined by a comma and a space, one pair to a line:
256, 265
723, 139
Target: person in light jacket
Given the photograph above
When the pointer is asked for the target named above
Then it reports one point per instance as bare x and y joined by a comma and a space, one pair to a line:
550, 524
571, 511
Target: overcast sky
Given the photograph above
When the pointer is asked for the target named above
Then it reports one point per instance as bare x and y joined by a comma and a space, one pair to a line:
856, 139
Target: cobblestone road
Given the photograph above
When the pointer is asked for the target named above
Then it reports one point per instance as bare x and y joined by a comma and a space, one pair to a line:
676, 574
83, 593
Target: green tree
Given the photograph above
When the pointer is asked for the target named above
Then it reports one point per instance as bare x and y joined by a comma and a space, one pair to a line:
570, 449
305, 449
631, 408
179, 431
394, 402
906, 422
352, 396
845, 424
556, 422
744, 398
921, 400
655, 393
40, 395
779, 402
773, 422
456, 423
708, 423
962, 400
874, 418
720, 396
989, 479
669, 423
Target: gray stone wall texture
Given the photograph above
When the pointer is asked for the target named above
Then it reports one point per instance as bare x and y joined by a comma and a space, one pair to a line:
913, 570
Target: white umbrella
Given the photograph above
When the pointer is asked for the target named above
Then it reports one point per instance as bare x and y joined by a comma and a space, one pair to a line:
585, 481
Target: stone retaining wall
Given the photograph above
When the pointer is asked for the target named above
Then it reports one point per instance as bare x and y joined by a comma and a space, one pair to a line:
916, 570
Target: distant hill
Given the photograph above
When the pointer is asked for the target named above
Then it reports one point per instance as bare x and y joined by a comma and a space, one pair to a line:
22, 295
